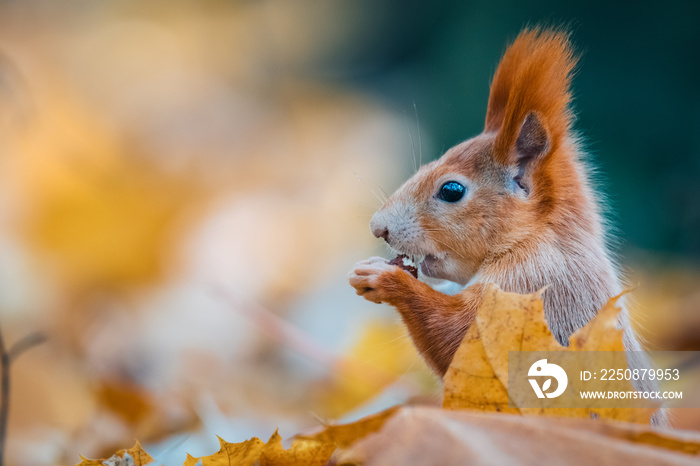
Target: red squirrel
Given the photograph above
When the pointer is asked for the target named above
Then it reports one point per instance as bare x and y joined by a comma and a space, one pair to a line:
512, 206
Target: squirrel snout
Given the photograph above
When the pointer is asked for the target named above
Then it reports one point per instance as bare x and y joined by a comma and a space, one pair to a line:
379, 228
381, 232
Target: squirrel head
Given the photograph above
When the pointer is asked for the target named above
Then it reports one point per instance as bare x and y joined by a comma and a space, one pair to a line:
493, 192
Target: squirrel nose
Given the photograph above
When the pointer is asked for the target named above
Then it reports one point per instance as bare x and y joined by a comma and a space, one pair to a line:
378, 227
381, 233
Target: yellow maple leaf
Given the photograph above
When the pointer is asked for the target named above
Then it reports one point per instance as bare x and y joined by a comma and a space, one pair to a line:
303, 452
243, 453
345, 435
138, 458
478, 375
306, 450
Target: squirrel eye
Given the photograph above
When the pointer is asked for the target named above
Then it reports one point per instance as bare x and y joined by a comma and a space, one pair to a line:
451, 191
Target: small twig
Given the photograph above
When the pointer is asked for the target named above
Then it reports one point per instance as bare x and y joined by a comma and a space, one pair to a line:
26, 343
4, 396
6, 358
321, 421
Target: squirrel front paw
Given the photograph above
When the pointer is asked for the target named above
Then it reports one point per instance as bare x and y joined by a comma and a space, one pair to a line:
378, 281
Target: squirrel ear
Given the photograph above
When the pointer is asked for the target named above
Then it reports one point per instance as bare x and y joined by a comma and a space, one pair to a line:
531, 145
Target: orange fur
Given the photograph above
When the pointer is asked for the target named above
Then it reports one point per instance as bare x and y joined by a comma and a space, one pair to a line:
534, 76
436, 322
529, 217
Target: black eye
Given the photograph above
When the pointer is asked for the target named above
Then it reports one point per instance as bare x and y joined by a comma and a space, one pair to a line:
451, 191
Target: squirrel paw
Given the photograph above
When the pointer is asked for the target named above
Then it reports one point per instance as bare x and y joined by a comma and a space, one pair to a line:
371, 278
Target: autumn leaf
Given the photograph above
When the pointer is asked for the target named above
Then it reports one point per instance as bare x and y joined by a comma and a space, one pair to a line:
303, 452
428, 435
135, 456
306, 449
480, 365
345, 435
243, 453
478, 375
425, 435
601, 332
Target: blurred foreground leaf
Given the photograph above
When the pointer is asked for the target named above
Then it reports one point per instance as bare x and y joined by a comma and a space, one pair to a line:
243, 453
426, 435
303, 452
423, 435
133, 456
378, 359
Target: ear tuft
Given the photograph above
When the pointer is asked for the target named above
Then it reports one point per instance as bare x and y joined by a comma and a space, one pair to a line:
530, 95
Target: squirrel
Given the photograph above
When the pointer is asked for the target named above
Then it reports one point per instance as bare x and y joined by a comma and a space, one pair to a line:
513, 206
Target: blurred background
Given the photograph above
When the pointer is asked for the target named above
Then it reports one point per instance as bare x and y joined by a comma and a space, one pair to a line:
185, 185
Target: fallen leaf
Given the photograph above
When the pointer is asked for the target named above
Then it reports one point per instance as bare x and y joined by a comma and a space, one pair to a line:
345, 435
303, 452
424, 435
127, 400
306, 450
478, 375
244, 453
136, 454
428, 435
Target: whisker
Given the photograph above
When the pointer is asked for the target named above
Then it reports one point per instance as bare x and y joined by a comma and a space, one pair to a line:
413, 145
384, 194
379, 198
359, 178
449, 247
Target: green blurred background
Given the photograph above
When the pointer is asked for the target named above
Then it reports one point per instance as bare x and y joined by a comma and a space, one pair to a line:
637, 90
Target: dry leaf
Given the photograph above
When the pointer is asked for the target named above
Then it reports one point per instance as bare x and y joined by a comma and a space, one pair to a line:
422, 435
601, 333
121, 458
303, 452
425, 435
346, 434
127, 400
306, 450
478, 375
244, 453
